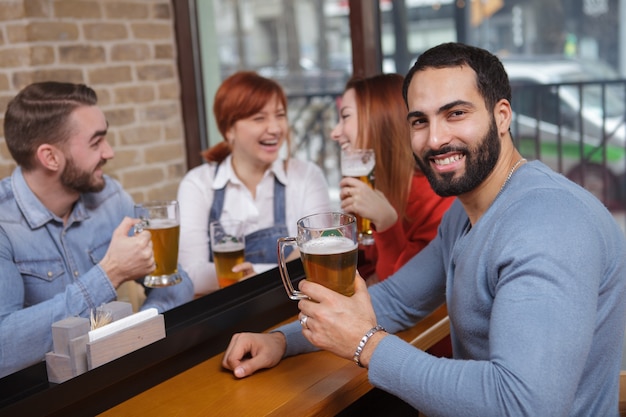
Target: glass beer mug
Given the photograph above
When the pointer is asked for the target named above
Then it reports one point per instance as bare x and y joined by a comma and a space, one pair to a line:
228, 248
162, 219
360, 164
328, 248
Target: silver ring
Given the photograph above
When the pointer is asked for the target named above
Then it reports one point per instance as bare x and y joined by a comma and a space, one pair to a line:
303, 321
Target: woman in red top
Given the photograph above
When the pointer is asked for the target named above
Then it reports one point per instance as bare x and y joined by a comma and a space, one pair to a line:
404, 210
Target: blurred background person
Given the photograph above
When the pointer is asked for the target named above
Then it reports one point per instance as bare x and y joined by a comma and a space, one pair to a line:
246, 179
403, 208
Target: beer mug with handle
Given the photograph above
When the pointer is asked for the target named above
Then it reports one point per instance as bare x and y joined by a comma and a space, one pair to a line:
328, 244
162, 219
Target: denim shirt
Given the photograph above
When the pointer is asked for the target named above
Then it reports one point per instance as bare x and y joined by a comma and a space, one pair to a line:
49, 271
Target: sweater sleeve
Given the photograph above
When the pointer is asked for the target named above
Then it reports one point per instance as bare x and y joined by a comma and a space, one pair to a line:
533, 332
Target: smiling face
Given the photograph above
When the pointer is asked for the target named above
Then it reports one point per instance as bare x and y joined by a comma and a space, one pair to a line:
453, 135
86, 151
257, 139
346, 129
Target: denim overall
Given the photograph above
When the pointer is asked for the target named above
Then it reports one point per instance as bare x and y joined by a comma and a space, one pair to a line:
260, 245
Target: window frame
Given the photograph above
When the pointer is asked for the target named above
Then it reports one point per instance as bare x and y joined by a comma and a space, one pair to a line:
364, 18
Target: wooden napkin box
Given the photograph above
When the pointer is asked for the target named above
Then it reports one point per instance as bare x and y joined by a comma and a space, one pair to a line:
73, 352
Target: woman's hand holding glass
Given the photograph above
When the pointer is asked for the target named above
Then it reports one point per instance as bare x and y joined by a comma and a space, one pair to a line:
246, 268
358, 198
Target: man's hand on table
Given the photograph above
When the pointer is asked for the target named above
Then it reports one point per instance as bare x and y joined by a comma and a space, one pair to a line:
248, 352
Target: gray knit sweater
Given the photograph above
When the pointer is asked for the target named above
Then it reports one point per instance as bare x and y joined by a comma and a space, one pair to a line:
536, 298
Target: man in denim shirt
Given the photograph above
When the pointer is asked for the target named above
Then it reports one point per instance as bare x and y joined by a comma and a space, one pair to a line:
65, 241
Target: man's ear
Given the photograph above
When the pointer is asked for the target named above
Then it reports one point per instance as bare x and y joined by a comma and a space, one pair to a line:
503, 115
50, 157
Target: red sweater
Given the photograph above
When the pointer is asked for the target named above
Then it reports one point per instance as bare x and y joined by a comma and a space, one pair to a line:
396, 245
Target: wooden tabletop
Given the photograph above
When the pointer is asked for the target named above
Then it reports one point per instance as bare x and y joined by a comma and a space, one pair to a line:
312, 384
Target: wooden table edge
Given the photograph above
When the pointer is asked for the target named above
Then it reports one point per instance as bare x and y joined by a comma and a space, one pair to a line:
350, 382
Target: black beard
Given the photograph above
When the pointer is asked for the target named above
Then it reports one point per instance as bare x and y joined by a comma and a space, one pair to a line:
80, 181
479, 163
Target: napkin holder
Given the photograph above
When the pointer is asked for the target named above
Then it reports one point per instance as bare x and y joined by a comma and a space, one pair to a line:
73, 352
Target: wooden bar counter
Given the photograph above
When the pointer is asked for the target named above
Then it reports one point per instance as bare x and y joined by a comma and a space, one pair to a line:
313, 384
181, 374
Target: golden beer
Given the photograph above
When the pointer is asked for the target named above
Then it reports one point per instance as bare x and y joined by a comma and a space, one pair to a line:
226, 256
162, 219
360, 164
165, 235
364, 225
331, 261
228, 244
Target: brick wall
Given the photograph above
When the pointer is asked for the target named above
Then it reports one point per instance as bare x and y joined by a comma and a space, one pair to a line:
125, 50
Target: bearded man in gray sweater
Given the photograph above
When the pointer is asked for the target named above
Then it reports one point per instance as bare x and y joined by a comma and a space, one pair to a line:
532, 268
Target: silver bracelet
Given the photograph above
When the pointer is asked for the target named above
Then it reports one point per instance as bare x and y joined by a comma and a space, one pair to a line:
357, 353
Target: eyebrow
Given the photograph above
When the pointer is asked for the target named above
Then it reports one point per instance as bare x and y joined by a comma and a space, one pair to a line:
99, 133
441, 109
342, 108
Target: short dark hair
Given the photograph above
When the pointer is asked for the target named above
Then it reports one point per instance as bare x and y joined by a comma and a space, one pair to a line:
39, 114
492, 80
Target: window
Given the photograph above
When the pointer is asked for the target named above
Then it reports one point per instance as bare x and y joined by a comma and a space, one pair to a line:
313, 46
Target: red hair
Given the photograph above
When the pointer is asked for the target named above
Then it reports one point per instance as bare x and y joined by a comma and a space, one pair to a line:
240, 96
383, 127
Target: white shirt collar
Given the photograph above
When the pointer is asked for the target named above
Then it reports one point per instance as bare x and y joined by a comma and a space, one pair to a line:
226, 173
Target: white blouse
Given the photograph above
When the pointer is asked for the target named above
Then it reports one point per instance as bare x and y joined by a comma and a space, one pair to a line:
306, 192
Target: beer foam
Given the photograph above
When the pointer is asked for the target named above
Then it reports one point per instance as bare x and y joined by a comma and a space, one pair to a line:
228, 247
161, 223
356, 171
328, 245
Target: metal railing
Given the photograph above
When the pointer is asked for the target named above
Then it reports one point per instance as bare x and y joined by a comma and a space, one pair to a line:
578, 129
312, 117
